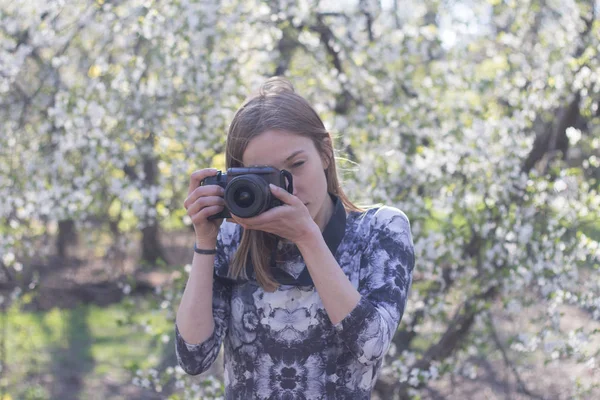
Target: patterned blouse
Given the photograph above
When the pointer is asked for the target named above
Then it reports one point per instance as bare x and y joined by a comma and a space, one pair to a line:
282, 345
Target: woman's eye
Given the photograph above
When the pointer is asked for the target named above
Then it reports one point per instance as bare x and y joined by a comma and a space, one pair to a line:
298, 164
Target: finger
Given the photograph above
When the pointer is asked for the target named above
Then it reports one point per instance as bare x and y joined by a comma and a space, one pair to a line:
197, 176
284, 195
203, 191
240, 221
235, 219
262, 219
203, 202
205, 213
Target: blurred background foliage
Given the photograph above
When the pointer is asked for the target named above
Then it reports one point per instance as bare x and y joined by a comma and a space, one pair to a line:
478, 118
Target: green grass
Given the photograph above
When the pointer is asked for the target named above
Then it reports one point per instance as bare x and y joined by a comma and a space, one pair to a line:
84, 345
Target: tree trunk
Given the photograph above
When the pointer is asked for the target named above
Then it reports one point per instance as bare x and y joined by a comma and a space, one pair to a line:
152, 250
66, 236
553, 140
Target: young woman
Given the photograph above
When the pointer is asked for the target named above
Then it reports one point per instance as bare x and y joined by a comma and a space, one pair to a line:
315, 320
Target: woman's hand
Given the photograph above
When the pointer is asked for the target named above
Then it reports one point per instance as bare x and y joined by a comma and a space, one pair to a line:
201, 203
291, 220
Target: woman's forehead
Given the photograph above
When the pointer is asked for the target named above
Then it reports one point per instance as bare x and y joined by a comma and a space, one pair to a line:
275, 147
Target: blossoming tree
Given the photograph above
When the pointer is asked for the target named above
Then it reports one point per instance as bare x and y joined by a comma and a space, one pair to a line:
479, 119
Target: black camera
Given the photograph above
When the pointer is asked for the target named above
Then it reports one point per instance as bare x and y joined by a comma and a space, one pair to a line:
247, 192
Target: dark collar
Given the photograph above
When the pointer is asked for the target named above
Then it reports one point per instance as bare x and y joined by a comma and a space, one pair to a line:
333, 234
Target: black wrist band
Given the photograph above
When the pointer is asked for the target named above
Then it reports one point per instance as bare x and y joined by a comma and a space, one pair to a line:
201, 251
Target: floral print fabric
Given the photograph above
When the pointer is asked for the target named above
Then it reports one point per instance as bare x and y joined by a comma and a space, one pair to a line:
282, 345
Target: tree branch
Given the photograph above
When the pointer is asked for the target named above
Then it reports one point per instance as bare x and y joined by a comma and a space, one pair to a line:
521, 387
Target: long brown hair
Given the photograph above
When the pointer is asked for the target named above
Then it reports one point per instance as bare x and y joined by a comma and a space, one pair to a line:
275, 107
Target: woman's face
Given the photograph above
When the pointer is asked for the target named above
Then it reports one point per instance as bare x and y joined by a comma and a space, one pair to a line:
297, 154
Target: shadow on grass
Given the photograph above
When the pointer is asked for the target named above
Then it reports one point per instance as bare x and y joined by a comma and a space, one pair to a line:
72, 360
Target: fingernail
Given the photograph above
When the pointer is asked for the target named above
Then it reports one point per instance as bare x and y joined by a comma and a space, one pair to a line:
272, 186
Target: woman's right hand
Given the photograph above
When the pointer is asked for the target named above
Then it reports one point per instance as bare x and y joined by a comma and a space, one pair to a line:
201, 203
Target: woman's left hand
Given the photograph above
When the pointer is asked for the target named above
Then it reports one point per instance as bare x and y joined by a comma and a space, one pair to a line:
291, 220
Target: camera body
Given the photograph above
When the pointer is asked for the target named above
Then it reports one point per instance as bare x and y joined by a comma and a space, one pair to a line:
247, 192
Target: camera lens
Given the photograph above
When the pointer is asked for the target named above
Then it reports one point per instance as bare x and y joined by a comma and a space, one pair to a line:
243, 197
247, 195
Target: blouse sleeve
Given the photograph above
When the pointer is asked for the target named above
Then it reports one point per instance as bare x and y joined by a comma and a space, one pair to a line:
197, 358
386, 276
